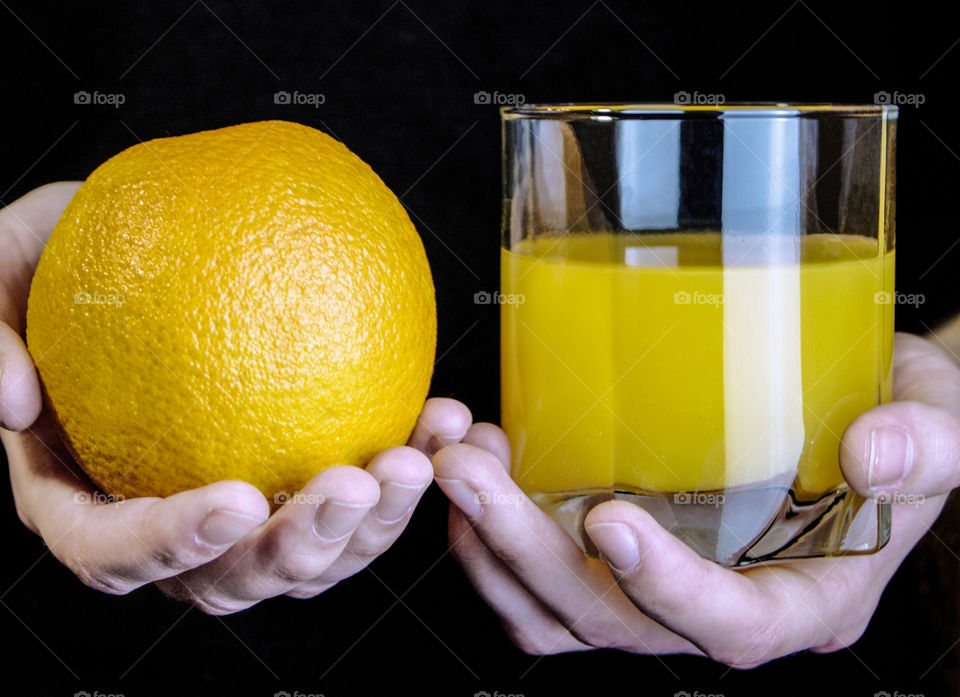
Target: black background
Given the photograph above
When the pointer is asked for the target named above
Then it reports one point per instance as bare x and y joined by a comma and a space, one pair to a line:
399, 82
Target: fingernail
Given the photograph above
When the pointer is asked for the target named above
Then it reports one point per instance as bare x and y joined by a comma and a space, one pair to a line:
222, 527
618, 544
462, 496
890, 457
457, 436
396, 499
336, 519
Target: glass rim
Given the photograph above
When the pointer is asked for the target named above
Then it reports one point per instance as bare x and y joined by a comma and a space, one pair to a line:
609, 111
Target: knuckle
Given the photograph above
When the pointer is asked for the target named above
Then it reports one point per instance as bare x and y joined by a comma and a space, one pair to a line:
289, 574
671, 604
24, 517
534, 644
284, 557
307, 592
172, 558
102, 580
293, 569
366, 548
92, 575
10, 228
600, 639
218, 607
207, 600
461, 550
506, 551
754, 650
173, 588
473, 555
842, 640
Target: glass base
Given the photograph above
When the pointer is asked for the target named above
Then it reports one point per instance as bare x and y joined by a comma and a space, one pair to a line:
740, 526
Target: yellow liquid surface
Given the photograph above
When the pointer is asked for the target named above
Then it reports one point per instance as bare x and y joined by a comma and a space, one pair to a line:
671, 362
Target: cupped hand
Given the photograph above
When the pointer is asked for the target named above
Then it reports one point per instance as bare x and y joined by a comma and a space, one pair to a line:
217, 547
652, 594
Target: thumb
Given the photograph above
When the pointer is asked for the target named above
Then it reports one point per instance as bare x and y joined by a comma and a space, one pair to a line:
912, 445
25, 226
20, 398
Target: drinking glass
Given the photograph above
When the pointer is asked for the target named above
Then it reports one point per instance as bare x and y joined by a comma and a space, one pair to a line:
695, 303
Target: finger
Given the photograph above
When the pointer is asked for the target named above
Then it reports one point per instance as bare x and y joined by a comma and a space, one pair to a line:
911, 446
118, 546
579, 591
947, 336
30, 219
299, 542
492, 439
528, 622
20, 396
25, 226
740, 619
403, 474
441, 422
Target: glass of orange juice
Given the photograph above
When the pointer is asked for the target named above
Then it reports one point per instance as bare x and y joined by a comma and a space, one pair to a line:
695, 304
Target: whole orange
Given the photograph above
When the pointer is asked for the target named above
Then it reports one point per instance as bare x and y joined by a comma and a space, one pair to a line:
247, 303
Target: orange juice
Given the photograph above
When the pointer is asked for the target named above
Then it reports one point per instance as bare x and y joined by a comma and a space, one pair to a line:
662, 363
